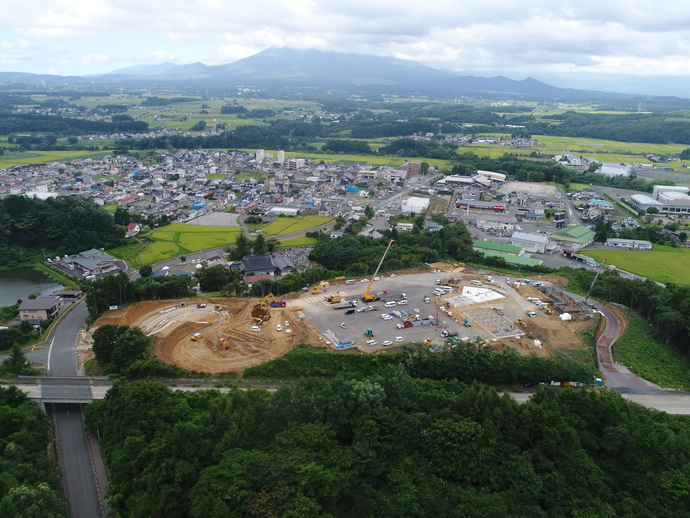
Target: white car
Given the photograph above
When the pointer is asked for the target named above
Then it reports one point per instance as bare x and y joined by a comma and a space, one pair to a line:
287, 323
386, 342
342, 324
399, 339
393, 275
364, 280
372, 342
377, 278
256, 328
386, 316
279, 327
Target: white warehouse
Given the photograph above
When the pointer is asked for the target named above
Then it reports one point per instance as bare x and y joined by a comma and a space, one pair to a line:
414, 204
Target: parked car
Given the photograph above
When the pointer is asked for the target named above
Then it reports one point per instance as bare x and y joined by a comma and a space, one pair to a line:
364, 280
372, 342
399, 339
279, 327
343, 325
201, 305
386, 342
256, 328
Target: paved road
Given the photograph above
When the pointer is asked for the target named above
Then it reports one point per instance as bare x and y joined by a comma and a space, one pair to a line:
77, 466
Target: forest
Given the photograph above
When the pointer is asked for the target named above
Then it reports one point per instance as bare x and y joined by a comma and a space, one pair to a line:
29, 486
388, 445
56, 226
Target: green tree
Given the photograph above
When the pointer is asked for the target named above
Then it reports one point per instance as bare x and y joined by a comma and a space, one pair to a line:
259, 245
146, 270
242, 248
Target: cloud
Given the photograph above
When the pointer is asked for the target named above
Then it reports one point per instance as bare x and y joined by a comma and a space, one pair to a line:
614, 36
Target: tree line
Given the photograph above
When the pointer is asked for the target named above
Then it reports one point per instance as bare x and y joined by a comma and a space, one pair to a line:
387, 444
57, 226
29, 485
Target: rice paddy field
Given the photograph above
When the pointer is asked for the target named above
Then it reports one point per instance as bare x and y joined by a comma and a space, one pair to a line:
173, 240
288, 225
663, 264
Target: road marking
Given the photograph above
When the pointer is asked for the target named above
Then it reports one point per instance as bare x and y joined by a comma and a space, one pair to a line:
50, 352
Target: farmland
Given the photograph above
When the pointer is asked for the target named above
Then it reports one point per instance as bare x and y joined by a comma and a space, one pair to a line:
173, 240
663, 264
289, 225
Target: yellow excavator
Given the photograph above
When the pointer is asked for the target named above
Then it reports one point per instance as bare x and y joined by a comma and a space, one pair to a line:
520, 322
222, 342
368, 297
334, 299
264, 301
322, 286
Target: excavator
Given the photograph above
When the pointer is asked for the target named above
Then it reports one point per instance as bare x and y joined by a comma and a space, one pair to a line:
222, 342
334, 299
321, 287
520, 322
368, 297
273, 302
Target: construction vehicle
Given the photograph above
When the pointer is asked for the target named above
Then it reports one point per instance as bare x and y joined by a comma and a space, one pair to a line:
334, 299
368, 297
321, 287
219, 308
520, 322
196, 336
222, 342
446, 333
259, 320
274, 303
427, 341
467, 322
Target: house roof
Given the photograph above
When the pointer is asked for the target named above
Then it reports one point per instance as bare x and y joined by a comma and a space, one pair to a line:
514, 259
576, 234
499, 247
283, 263
534, 238
257, 262
45, 303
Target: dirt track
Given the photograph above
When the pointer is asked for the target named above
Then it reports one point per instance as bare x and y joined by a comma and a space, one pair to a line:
174, 329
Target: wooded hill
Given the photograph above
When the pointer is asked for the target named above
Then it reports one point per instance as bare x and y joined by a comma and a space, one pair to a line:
387, 445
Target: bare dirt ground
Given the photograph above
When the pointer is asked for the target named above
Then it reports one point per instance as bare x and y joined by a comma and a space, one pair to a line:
174, 330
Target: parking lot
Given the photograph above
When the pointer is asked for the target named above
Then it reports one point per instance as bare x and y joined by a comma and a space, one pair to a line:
353, 326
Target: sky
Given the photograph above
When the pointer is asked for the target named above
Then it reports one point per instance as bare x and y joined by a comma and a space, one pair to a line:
519, 38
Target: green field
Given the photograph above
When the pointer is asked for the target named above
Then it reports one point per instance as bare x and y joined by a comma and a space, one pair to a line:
298, 241
647, 356
10, 159
288, 225
173, 240
663, 264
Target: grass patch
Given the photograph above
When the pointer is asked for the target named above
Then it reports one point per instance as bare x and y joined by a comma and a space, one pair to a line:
648, 357
10, 159
288, 225
663, 264
298, 241
110, 208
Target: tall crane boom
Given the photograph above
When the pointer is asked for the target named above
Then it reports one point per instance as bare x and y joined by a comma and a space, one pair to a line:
367, 297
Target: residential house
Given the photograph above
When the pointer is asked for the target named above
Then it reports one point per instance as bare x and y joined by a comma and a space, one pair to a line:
40, 309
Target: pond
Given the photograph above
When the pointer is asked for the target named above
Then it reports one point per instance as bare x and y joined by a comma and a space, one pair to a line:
19, 283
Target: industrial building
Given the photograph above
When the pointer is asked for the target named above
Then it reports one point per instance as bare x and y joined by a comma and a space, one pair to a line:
415, 204
530, 242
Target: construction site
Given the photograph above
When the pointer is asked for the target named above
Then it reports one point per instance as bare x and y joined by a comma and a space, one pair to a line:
216, 335
442, 306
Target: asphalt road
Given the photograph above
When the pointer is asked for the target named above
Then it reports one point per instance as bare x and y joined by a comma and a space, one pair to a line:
78, 478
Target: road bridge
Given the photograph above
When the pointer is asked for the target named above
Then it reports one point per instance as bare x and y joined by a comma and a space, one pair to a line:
83, 390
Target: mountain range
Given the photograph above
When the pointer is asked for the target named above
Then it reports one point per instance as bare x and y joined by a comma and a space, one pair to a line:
286, 68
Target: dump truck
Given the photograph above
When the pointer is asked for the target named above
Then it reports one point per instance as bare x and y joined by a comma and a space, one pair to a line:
196, 336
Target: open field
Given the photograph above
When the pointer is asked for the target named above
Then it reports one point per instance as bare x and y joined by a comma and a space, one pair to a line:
288, 225
668, 265
298, 241
173, 240
10, 159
